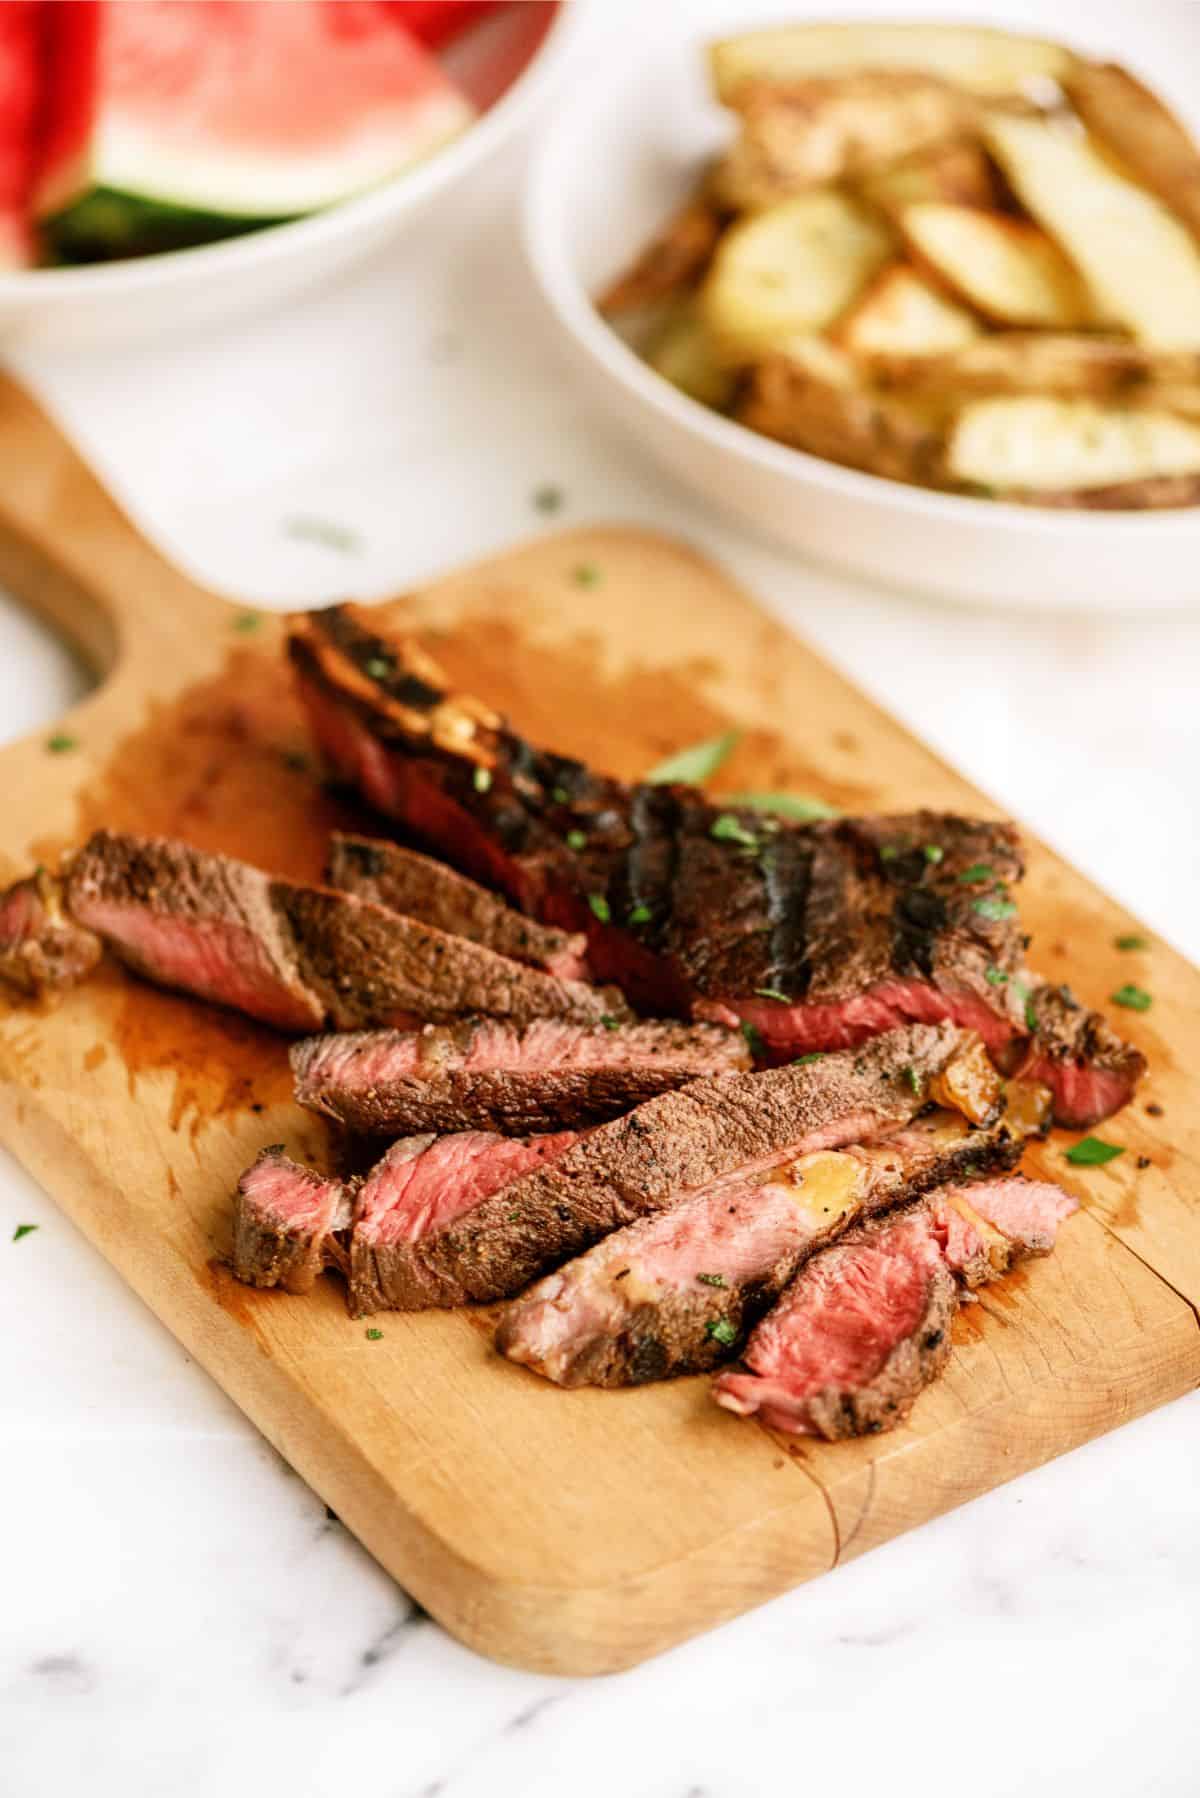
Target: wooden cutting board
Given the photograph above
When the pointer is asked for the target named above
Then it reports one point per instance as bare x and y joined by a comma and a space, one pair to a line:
568, 1532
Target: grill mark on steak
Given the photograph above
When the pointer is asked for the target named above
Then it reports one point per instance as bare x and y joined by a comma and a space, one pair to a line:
41, 948
481, 1074
865, 1325
287, 1222
652, 1294
862, 924
730, 1125
297, 957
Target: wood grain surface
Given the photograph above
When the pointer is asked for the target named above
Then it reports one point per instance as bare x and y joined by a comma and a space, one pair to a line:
570, 1532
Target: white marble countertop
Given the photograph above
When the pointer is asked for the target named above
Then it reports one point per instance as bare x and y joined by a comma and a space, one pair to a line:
177, 1612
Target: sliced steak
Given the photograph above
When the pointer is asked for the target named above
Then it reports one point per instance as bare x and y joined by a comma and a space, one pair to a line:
41, 948
422, 888
865, 1326
670, 1293
287, 1222
297, 957
729, 1125
481, 1074
1090, 1070
422, 1185
815, 936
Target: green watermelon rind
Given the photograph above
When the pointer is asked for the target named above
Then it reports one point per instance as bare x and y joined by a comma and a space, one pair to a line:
107, 224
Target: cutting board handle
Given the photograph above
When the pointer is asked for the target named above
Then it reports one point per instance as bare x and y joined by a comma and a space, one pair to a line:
69, 552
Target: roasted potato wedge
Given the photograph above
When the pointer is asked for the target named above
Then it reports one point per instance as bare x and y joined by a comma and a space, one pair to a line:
1150, 141
1008, 269
957, 174
1141, 263
1160, 493
792, 269
682, 352
1020, 362
672, 262
1041, 445
806, 133
903, 314
815, 400
982, 60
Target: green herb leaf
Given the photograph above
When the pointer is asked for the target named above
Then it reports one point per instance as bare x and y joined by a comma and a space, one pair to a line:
576, 839
721, 1330
586, 574
933, 853
692, 767
1092, 1151
1131, 942
547, 498
914, 1080
247, 623
325, 532
60, 743
995, 976
374, 1335
888, 853
641, 914
804, 1061
995, 909
1031, 1016
481, 780
976, 874
23, 1230
772, 992
754, 1038
609, 1022
1133, 998
712, 1279
600, 907
800, 806
560, 796
378, 667
726, 829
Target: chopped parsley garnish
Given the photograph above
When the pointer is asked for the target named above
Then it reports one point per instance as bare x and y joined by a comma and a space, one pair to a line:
933, 853
576, 839
1031, 1016
801, 806
1092, 1151
712, 1279
692, 767
995, 909
481, 780
976, 874
911, 1075
995, 976
804, 1061
325, 532
772, 992
641, 914
1131, 942
247, 623
1133, 998
721, 1330
888, 853
378, 667
547, 498
609, 1022
60, 743
600, 907
754, 1038
374, 1335
23, 1230
726, 829
560, 796
586, 574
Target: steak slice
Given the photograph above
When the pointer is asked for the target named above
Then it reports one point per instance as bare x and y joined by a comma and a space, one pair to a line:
865, 1326
286, 1222
423, 1184
298, 957
729, 1125
816, 936
669, 1294
484, 1075
1090, 1070
422, 888
41, 948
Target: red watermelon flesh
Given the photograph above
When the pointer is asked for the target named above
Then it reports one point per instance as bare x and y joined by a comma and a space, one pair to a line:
438, 22
248, 109
20, 59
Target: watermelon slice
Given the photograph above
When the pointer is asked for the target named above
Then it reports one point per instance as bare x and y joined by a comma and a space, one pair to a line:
20, 61
188, 120
438, 22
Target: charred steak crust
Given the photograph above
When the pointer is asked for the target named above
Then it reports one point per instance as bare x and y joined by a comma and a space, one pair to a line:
41, 948
420, 887
297, 957
664, 1329
483, 1075
651, 1158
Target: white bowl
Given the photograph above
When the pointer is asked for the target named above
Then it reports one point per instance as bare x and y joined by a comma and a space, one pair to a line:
155, 296
619, 155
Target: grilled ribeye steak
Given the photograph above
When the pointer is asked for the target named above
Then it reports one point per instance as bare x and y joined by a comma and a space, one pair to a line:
422, 888
298, 957
654, 1157
484, 1075
41, 948
671, 1293
288, 1223
865, 1325
817, 936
